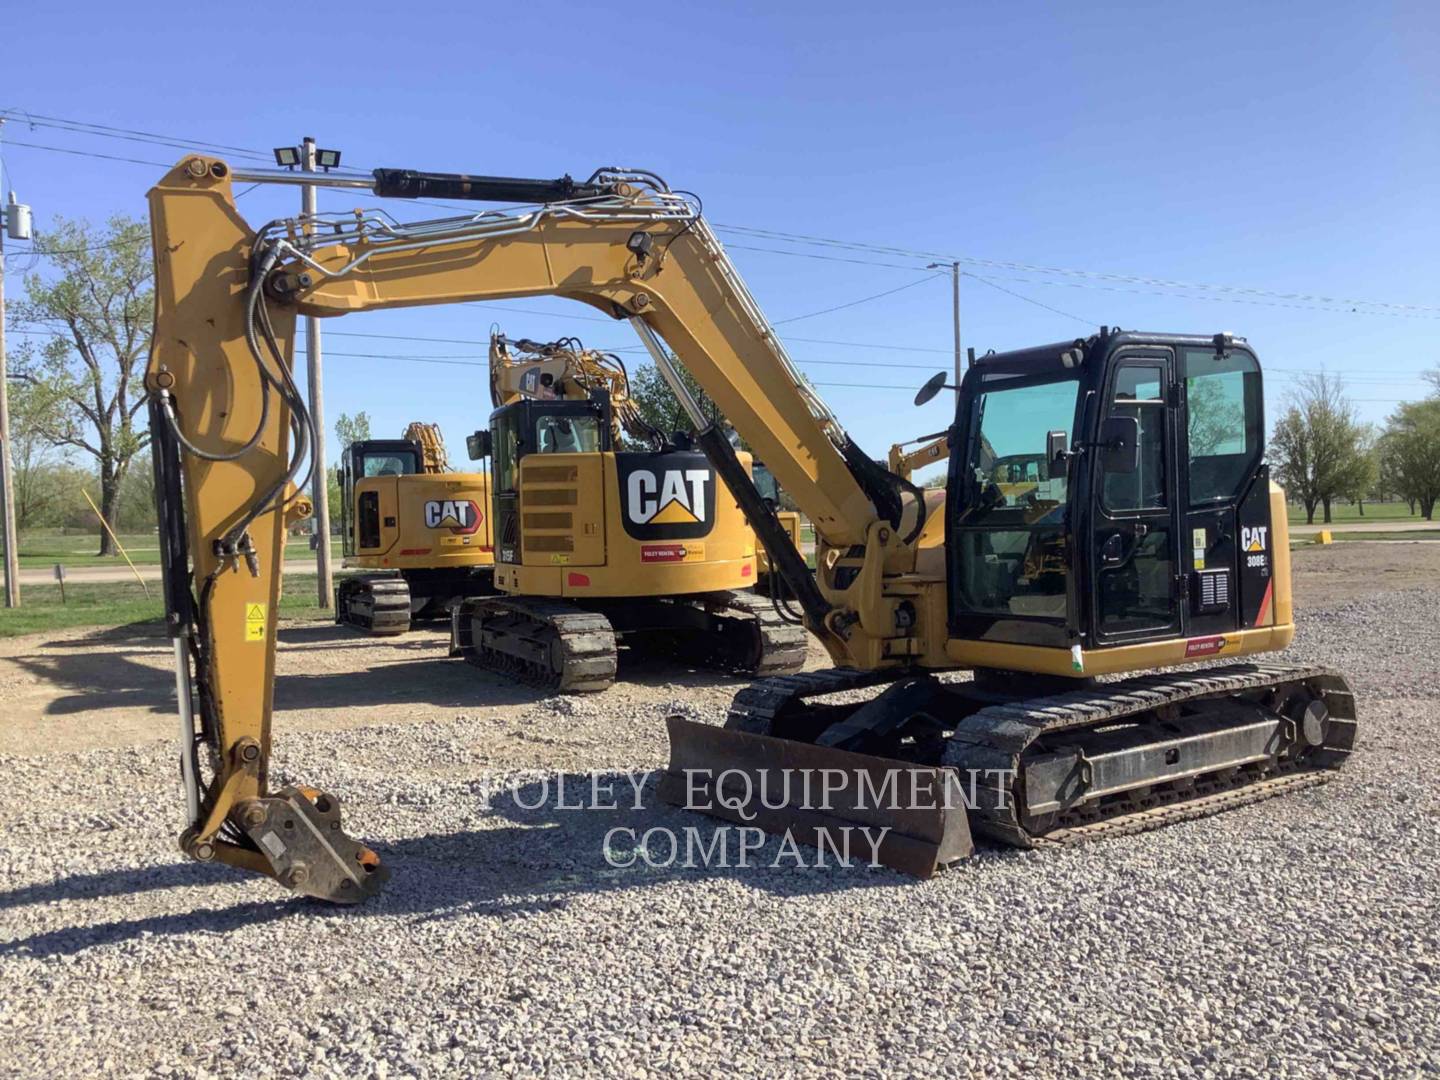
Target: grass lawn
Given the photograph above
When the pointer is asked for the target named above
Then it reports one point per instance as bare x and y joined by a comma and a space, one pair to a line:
122, 603
41, 551
1395, 511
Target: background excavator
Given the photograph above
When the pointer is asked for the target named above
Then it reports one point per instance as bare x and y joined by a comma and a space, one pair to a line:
599, 543
932, 449
421, 531
1156, 538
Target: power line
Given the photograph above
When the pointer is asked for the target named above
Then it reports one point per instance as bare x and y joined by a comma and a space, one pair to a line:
102, 131
855, 303
1231, 299
1224, 291
80, 126
82, 153
1071, 271
1027, 299
1376, 377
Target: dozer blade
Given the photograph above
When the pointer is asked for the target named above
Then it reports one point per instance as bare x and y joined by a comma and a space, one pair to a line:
298, 832
820, 796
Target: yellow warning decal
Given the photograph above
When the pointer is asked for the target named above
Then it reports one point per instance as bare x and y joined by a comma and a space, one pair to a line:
254, 622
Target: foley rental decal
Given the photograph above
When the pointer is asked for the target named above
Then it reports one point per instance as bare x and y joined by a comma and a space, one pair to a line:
677, 552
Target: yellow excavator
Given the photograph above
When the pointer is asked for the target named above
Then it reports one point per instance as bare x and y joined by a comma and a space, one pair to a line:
600, 543
1156, 539
768, 580
418, 530
933, 449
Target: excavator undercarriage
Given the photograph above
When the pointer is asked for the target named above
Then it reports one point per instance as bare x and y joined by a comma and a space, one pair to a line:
563, 646
944, 759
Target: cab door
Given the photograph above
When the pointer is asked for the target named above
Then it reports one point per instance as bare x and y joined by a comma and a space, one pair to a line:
1135, 543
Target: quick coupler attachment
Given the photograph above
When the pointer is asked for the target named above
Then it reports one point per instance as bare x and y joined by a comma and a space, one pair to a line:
298, 832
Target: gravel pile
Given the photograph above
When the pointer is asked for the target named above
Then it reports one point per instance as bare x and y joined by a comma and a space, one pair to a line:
1300, 937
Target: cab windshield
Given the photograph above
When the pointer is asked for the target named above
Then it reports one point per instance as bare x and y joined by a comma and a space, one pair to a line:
391, 463
1011, 528
1008, 479
567, 434
765, 483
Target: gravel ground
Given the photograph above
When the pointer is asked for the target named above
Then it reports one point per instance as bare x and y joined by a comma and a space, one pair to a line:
1297, 937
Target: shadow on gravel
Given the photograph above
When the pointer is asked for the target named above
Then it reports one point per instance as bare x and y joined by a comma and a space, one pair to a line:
540, 860
112, 678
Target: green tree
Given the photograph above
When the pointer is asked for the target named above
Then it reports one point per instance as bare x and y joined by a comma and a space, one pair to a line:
1366, 474
1318, 444
348, 429
1215, 417
32, 413
659, 406
1410, 451
351, 429
97, 305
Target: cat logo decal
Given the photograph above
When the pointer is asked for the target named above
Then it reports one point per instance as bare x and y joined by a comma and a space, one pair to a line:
460, 516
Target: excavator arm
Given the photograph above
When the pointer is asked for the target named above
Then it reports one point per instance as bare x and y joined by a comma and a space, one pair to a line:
232, 438
530, 370
932, 449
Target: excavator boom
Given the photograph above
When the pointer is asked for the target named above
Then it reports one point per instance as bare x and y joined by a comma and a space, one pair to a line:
233, 434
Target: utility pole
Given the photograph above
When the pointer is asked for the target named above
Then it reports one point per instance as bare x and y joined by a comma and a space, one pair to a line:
320, 482
17, 225
955, 288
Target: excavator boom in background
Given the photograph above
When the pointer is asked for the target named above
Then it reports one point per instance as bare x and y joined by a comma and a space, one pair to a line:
1145, 539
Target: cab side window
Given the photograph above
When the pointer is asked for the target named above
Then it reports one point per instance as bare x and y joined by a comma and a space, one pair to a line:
1224, 422
1140, 394
503, 453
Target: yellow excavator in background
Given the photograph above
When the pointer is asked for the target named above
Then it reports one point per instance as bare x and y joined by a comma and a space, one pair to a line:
601, 543
932, 449
1156, 539
768, 580
420, 530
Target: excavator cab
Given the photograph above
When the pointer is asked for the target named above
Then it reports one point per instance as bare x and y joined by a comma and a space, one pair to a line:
539, 426
361, 517
1152, 518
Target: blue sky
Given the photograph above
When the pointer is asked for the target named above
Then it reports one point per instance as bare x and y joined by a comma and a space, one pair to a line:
1287, 147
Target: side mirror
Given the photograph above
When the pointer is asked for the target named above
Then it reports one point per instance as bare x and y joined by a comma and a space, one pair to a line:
1120, 444
478, 445
932, 386
1056, 449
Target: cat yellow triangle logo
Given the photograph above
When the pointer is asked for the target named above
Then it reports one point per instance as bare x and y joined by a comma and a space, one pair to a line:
674, 513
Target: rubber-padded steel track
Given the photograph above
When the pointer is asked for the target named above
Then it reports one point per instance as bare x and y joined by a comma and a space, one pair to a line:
763, 708
544, 642
749, 635
376, 604
999, 736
